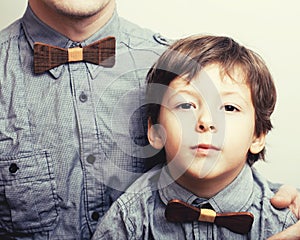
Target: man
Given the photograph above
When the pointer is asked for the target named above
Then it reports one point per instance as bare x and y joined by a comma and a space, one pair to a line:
71, 138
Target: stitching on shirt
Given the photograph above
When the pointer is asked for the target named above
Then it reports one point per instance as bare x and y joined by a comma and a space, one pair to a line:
11, 38
138, 37
138, 49
122, 206
149, 40
130, 34
7, 33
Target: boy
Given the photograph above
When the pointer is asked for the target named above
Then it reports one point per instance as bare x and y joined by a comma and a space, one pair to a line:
210, 101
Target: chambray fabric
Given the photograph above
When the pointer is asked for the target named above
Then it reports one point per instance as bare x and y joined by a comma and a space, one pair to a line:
71, 139
139, 213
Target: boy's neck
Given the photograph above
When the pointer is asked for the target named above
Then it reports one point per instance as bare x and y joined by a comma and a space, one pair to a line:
207, 187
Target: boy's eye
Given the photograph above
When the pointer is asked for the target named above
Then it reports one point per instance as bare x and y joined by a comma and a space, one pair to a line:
230, 108
186, 106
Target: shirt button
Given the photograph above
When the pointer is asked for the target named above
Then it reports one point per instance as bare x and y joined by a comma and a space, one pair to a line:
95, 216
13, 168
91, 159
83, 97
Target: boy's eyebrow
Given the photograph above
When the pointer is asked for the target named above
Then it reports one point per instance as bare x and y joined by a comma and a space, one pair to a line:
189, 92
228, 93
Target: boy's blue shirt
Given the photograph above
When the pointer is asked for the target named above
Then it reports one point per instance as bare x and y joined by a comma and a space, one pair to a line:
139, 213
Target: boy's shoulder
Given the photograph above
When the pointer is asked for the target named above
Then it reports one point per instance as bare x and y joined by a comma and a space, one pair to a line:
273, 218
141, 191
132, 210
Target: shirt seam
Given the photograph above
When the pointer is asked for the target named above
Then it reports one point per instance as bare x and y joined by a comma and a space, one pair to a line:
11, 38
122, 205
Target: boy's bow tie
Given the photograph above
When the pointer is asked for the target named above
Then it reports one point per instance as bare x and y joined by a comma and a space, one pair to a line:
101, 53
179, 211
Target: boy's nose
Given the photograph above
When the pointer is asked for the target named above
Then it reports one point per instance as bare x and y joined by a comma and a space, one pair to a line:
207, 120
206, 126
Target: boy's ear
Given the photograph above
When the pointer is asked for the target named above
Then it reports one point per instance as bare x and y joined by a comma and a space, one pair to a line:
258, 143
156, 135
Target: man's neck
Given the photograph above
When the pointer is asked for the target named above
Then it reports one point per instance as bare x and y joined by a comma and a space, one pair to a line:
76, 29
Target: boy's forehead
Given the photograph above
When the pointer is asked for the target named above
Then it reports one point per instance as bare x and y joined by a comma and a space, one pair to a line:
210, 82
179, 82
200, 86
214, 73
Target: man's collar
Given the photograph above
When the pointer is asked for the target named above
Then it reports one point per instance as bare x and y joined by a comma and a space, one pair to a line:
37, 31
237, 196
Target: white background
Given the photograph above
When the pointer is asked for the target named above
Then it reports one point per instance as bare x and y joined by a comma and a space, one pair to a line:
270, 27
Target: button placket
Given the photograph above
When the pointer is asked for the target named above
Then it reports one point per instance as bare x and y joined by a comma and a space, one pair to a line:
89, 142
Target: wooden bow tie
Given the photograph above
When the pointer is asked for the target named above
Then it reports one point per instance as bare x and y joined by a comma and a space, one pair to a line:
101, 53
238, 222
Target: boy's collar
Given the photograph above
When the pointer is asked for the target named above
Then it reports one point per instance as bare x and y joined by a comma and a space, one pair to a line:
237, 196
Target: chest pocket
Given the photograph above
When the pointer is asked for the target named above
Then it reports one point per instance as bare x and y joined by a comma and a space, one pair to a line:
28, 196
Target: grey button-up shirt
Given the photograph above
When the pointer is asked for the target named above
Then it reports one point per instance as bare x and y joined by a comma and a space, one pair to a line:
139, 213
72, 138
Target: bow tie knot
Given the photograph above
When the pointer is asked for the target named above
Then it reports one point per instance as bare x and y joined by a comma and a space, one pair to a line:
47, 57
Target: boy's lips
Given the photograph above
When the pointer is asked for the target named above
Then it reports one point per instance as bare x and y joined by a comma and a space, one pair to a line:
203, 150
205, 147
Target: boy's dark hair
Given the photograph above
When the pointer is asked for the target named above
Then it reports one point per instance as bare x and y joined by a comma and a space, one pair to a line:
187, 57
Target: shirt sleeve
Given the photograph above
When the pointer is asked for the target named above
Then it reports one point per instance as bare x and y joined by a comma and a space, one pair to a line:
114, 225
290, 220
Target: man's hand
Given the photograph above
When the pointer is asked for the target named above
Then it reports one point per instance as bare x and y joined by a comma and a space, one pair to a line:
291, 233
288, 196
